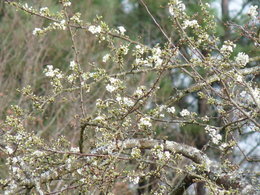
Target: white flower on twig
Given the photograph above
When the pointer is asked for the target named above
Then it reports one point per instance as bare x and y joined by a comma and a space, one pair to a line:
252, 12
94, 29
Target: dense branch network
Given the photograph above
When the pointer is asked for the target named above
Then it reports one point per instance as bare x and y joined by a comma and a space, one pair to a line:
118, 128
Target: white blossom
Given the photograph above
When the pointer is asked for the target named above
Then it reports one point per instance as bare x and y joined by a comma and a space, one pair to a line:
71, 78
190, 23
223, 146
124, 49
15, 170
122, 29
49, 71
44, 9
110, 88
145, 122
176, 8
36, 31
243, 94
167, 154
9, 150
242, 59
61, 25
138, 46
227, 48
73, 65
239, 78
252, 12
207, 4
113, 80
67, 4
171, 110
106, 58
185, 112
114, 84
256, 94
253, 97
134, 180
140, 91
25, 6
128, 102
140, 49
80, 171
59, 75
215, 137
156, 58
171, 10
69, 163
158, 62
157, 51
94, 29
181, 6
76, 18
162, 108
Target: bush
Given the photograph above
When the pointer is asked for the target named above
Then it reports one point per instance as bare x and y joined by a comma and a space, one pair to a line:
127, 116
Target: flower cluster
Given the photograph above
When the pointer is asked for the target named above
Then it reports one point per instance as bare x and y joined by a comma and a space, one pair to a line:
106, 58
160, 154
242, 59
145, 122
123, 50
60, 26
176, 8
73, 65
171, 110
56, 76
215, 137
190, 23
76, 18
140, 91
256, 95
114, 84
252, 12
142, 62
44, 11
50, 72
227, 48
67, 4
251, 97
25, 6
134, 180
95, 29
185, 112
156, 57
37, 31
125, 101
239, 78
139, 49
122, 30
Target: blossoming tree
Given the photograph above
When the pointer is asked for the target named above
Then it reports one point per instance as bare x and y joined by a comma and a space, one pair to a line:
119, 146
